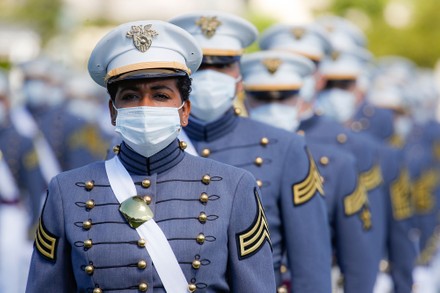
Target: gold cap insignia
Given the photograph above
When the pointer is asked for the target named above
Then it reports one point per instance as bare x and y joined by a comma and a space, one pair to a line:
142, 36
208, 25
336, 55
272, 64
298, 32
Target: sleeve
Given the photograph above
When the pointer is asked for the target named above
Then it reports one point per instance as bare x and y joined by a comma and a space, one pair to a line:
353, 233
33, 180
51, 267
250, 258
401, 248
306, 226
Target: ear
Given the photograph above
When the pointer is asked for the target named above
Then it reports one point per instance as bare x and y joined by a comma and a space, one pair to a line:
113, 112
184, 113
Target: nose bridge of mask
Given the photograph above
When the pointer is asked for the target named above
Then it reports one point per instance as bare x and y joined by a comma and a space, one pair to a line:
178, 108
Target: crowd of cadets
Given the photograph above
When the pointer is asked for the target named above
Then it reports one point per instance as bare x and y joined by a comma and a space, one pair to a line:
364, 139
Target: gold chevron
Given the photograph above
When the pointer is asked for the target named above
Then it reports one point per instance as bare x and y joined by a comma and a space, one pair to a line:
306, 189
372, 178
354, 202
45, 242
423, 190
401, 196
251, 240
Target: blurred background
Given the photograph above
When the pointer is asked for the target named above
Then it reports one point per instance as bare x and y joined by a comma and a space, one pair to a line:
67, 30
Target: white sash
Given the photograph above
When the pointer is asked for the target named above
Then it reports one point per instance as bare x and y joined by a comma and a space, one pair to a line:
190, 149
157, 244
26, 126
8, 187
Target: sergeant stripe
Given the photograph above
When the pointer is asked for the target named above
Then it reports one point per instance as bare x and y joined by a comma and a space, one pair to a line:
354, 202
372, 178
306, 189
46, 242
251, 240
401, 196
423, 190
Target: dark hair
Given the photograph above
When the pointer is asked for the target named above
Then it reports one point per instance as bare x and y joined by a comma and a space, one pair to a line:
183, 84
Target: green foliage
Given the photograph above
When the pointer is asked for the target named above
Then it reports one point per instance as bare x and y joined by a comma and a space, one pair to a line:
42, 15
419, 41
262, 22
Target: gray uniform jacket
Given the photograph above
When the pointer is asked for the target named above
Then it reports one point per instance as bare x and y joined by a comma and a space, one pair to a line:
291, 186
215, 225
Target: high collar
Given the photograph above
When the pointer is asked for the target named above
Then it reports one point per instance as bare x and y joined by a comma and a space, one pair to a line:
199, 131
309, 122
157, 163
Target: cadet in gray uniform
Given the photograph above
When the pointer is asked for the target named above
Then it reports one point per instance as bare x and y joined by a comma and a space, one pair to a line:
153, 218
272, 81
291, 186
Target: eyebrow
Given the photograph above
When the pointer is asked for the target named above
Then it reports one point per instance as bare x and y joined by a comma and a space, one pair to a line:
161, 87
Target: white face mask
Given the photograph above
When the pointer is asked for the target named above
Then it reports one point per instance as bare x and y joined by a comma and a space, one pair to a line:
278, 115
402, 126
308, 89
337, 103
212, 94
3, 113
148, 130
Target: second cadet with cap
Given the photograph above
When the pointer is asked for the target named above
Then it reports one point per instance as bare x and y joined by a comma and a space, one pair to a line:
22, 189
153, 218
272, 81
285, 170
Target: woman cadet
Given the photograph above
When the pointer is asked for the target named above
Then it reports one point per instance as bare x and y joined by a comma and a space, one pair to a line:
153, 218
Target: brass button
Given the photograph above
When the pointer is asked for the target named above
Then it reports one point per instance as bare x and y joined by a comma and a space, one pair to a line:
89, 185
368, 111
141, 243
200, 238
259, 161
192, 287
202, 218
147, 199
206, 179
356, 126
183, 145
88, 243
206, 153
237, 111
384, 266
259, 183
87, 224
300, 132
142, 264
196, 264
204, 197
324, 160
282, 289
116, 149
283, 269
146, 183
97, 290
143, 287
89, 269
264, 141
341, 138
90, 204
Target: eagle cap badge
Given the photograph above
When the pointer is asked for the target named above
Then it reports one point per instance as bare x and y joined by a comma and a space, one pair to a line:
142, 36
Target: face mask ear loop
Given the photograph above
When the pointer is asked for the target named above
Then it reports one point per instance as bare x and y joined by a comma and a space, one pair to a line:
114, 107
181, 106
